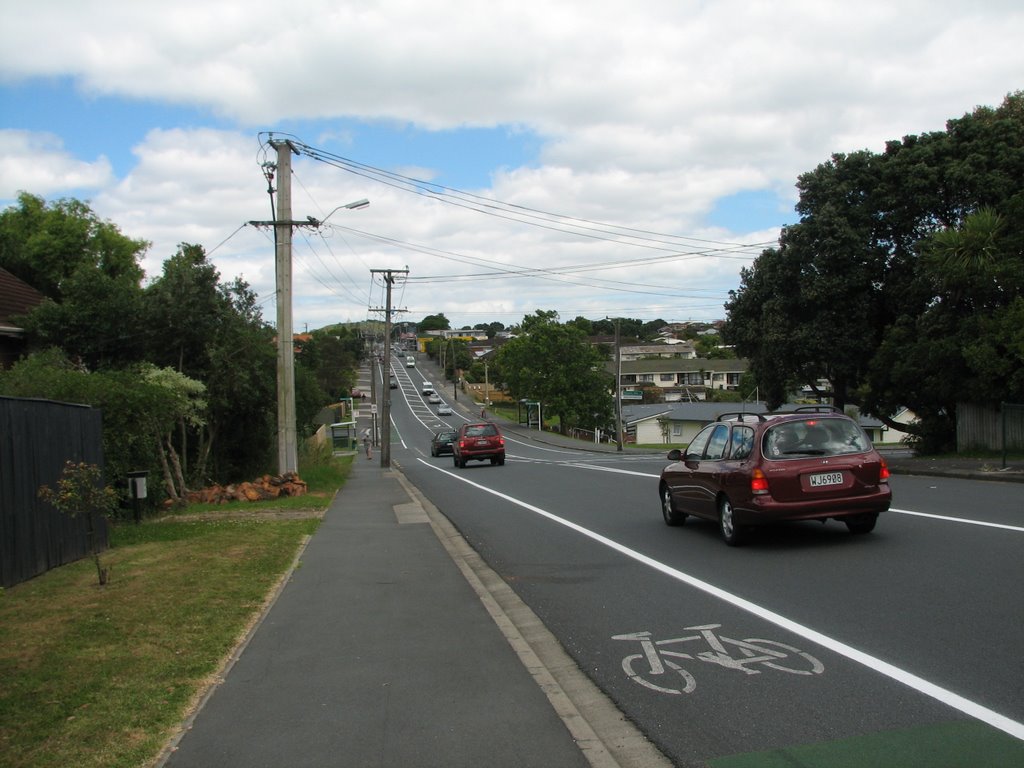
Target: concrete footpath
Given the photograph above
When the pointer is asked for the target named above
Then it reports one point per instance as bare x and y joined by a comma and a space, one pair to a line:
392, 644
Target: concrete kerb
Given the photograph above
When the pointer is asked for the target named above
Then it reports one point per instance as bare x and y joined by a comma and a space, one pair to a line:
605, 737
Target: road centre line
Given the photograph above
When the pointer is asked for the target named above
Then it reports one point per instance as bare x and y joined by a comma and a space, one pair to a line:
954, 700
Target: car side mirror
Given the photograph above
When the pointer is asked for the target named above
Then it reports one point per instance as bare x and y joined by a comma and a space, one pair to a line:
675, 455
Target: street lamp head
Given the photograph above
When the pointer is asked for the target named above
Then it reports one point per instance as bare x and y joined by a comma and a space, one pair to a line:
348, 206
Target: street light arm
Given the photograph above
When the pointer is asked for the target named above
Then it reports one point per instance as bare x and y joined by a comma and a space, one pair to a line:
350, 206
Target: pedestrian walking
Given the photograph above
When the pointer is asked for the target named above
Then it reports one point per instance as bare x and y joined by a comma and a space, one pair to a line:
368, 443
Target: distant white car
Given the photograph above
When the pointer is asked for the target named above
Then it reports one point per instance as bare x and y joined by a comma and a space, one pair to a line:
434, 398
427, 388
444, 410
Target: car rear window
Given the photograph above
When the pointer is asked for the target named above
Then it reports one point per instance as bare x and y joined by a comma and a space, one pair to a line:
481, 430
814, 437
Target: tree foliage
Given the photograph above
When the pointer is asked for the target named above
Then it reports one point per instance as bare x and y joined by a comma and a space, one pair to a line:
46, 244
100, 336
901, 279
436, 322
87, 269
554, 363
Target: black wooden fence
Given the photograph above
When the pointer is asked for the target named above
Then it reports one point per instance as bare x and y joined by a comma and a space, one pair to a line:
36, 438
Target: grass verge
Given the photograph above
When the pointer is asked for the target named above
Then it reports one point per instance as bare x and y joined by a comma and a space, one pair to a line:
101, 676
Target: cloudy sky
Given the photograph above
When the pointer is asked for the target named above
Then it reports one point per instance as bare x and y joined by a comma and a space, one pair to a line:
591, 157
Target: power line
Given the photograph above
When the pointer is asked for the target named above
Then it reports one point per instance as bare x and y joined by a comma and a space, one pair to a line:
522, 214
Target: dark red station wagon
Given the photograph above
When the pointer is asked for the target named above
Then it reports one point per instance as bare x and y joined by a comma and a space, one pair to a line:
478, 442
745, 470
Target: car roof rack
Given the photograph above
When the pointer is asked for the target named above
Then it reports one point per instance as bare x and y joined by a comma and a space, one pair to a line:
818, 409
740, 414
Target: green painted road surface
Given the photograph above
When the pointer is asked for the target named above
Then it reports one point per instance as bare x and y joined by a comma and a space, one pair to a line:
956, 745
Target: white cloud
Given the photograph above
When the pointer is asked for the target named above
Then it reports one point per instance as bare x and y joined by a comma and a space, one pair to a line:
648, 115
38, 163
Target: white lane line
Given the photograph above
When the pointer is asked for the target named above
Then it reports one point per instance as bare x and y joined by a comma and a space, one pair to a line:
1017, 528
954, 700
947, 518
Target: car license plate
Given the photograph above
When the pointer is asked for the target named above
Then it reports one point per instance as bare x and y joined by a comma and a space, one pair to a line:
483, 442
826, 478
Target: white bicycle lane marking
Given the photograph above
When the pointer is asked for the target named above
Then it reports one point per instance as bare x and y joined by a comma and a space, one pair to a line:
919, 684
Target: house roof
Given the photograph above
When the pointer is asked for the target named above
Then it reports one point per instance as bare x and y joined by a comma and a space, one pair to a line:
700, 411
16, 298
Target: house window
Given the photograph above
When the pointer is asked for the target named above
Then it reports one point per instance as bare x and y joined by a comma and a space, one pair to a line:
677, 430
669, 377
646, 378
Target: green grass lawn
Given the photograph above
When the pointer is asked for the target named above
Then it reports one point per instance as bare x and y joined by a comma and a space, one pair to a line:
101, 676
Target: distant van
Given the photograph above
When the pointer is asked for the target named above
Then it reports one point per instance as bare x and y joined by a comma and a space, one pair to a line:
410, 361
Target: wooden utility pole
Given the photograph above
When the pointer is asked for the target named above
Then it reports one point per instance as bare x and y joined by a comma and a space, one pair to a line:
287, 437
618, 388
385, 415
287, 450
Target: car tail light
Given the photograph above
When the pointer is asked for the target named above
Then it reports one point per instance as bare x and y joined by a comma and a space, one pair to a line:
883, 471
501, 441
758, 482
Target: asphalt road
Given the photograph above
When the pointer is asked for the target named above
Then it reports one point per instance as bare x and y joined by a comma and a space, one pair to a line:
808, 646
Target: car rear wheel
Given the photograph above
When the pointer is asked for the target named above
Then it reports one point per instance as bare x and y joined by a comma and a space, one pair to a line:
861, 523
732, 534
668, 508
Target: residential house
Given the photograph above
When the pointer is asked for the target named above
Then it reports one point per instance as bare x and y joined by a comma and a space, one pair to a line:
678, 378
675, 423
678, 423
16, 298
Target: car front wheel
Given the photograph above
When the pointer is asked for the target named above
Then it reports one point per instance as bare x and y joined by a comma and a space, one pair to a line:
668, 508
732, 534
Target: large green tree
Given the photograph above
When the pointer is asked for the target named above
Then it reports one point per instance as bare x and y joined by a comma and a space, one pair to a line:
44, 244
895, 281
555, 364
213, 332
434, 323
87, 269
332, 355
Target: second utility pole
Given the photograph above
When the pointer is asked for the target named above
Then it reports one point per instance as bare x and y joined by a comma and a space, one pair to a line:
385, 411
